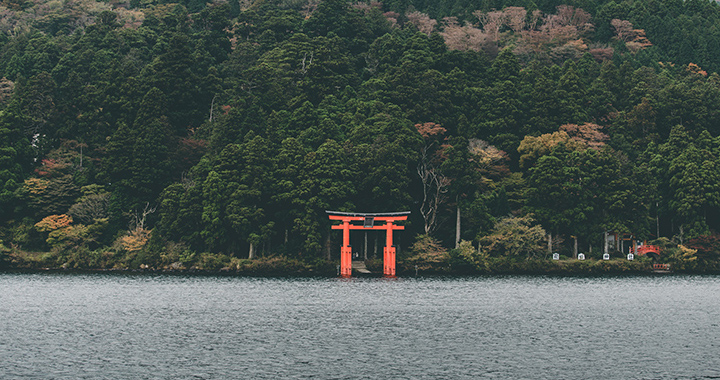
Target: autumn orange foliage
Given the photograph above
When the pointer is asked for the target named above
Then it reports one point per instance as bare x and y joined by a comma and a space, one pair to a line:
430, 130
533, 147
695, 69
635, 39
53, 222
587, 134
35, 186
135, 240
51, 167
575, 137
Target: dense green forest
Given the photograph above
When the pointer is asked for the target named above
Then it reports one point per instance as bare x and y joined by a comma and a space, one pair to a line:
159, 134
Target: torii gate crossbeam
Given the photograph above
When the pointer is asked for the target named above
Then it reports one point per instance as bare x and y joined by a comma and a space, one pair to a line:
368, 220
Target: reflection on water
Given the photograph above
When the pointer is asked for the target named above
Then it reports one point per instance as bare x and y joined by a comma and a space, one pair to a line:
168, 327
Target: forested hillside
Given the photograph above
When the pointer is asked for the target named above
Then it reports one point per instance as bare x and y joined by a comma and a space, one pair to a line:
150, 133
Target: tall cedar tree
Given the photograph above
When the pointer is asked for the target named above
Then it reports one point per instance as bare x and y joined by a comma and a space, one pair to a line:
137, 165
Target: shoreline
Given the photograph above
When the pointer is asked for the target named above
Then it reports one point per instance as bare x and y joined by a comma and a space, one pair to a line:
564, 268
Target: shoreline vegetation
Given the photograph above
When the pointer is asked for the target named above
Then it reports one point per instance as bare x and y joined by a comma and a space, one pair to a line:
451, 263
283, 268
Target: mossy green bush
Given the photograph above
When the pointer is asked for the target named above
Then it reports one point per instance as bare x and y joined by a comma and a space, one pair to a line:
427, 255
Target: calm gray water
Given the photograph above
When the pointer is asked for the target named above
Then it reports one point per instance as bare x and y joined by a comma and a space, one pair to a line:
70, 326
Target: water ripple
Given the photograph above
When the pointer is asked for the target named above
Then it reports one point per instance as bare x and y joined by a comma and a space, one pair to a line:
58, 326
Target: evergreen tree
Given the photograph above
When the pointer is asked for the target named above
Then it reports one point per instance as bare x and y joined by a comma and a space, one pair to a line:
570, 96
137, 163
173, 74
14, 161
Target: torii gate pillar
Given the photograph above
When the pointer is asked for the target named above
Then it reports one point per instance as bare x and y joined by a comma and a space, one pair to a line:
368, 220
389, 250
346, 251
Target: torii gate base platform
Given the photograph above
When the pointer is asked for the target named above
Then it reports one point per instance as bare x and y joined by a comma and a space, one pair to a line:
368, 220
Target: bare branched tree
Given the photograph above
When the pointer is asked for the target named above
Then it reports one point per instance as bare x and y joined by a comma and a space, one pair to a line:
462, 37
305, 63
435, 186
491, 22
422, 22
515, 18
137, 220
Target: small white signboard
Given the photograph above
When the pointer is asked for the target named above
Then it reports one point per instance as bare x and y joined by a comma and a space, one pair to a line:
631, 257
556, 256
581, 256
606, 256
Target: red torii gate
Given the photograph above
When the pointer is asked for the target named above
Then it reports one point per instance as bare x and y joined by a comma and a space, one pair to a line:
368, 220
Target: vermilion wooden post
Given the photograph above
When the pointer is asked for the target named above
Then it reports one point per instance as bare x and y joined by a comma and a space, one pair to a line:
385, 260
390, 250
346, 251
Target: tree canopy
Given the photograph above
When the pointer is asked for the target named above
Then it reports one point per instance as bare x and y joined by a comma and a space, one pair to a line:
230, 127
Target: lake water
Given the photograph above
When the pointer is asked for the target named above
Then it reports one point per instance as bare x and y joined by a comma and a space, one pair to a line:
105, 326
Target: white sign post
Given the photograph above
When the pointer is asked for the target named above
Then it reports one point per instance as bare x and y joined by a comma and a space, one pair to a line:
581, 256
606, 256
631, 257
556, 256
